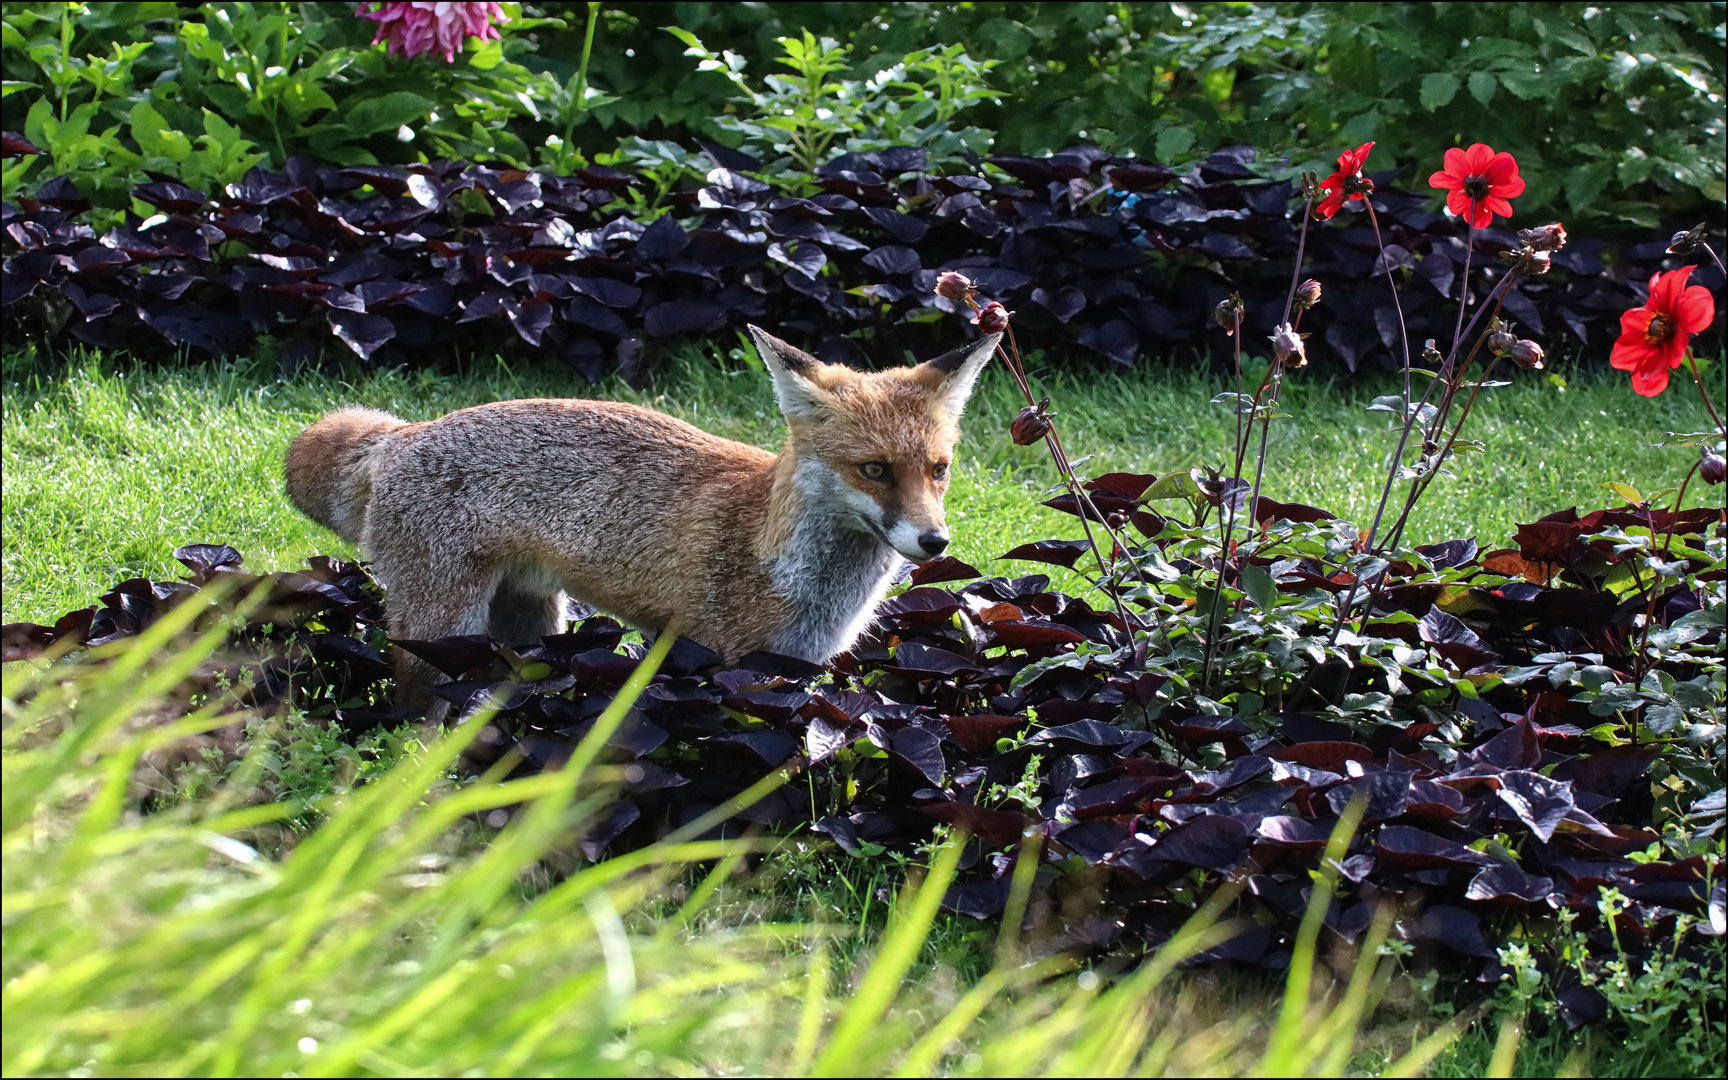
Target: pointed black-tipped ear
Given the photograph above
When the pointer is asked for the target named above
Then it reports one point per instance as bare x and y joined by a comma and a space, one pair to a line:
791, 369
958, 372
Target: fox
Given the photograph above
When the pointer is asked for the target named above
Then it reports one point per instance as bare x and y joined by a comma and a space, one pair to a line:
483, 521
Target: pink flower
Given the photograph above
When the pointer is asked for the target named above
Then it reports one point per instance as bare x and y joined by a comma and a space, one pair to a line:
415, 28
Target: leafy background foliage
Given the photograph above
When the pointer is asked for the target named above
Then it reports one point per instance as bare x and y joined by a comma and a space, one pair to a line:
1616, 109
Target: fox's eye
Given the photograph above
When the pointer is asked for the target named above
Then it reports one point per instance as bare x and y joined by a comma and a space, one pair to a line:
874, 470
939, 470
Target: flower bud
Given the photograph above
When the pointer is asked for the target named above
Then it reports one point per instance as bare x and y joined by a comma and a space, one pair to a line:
1431, 355
1229, 313
1713, 469
1544, 237
1537, 262
1682, 243
1287, 347
1032, 424
992, 318
955, 286
1500, 343
1307, 294
1527, 354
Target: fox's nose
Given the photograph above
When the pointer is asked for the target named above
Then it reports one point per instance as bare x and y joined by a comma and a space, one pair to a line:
934, 542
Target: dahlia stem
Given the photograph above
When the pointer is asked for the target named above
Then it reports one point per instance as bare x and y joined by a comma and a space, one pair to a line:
1397, 305
1464, 286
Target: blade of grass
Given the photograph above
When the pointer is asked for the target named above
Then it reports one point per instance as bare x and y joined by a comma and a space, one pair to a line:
900, 945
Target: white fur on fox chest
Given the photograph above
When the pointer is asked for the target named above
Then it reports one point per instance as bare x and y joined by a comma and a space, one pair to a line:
835, 567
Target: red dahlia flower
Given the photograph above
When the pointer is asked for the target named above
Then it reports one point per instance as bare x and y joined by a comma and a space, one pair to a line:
1346, 183
414, 28
1480, 182
1654, 338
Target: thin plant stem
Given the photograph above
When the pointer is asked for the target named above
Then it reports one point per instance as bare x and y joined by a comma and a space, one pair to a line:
1242, 438
1704, 393
1464, 280
1714, 256
1397, 305
1053, 441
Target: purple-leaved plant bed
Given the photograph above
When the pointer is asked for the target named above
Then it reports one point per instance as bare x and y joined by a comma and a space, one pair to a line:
424, 263
1522, 727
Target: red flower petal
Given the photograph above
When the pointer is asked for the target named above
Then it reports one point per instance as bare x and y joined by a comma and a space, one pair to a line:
1695, 310
1510, 189
1497, 205
1457, 163
1484, 216
1330, 204
1501, 169
1478, 158
1444, 180
1665, 289
1650, 382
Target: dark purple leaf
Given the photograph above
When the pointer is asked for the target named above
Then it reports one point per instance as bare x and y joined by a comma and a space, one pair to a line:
1387, 794
1057, 552
1453, 927
1417, 849
359, 331
1607, 772
902, 227
1215, 842
683, 317
891, 260
1508, 884
1537, 801
664, 239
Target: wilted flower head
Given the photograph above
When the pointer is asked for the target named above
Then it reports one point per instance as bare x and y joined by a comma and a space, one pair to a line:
1287, 347
955, 286
1032, 424
1229, 313
1347, 183
1713, 469
992, 318
1527, 354
415, 28
1478, 183
1307, 294
1682, 243
1544, 238
1431, 354
1654, 338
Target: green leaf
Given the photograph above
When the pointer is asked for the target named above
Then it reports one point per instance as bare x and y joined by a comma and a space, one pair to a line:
387, 113
1584, 185
1625, 491
1173, 142
1525, 82
1437, 90
1178, 485
1482, 86
1260, 586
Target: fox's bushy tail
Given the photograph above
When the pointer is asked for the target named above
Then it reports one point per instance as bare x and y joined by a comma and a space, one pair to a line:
330, 466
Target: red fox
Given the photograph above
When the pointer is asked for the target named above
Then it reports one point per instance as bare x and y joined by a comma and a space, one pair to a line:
479, 522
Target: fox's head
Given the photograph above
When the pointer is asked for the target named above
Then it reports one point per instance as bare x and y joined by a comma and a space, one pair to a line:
876, 447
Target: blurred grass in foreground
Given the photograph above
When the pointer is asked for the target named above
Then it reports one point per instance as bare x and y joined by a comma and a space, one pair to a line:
194, 940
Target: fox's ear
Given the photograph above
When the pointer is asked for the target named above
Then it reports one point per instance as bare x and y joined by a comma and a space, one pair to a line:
793, 371
953, 375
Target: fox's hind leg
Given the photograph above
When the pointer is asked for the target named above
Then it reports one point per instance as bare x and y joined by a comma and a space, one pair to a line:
423, 605
527, 607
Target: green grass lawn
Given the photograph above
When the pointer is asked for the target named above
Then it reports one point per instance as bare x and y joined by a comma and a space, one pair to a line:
109, 467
